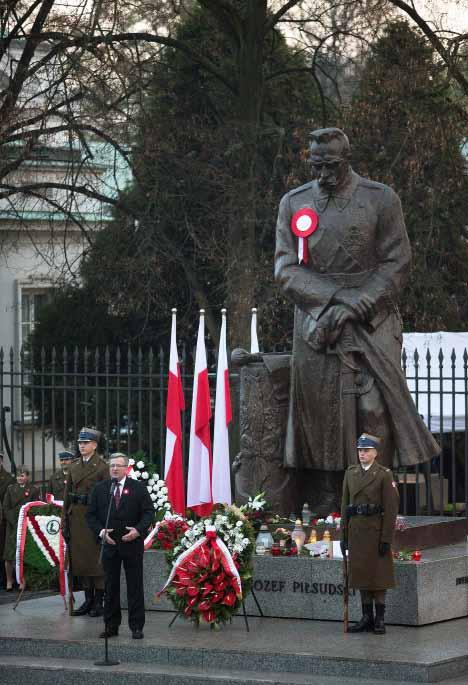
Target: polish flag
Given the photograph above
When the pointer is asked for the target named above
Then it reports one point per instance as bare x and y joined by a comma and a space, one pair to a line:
173, 467
221, 475
199, 496
253, 333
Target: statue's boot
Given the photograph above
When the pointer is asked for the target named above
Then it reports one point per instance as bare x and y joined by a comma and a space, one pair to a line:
379, 627
97, 609
366, 624
86, 607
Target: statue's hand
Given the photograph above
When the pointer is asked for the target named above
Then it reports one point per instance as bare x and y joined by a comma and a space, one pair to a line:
360, 303
337, 317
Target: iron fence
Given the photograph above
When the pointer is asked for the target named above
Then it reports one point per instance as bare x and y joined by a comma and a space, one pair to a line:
45, 399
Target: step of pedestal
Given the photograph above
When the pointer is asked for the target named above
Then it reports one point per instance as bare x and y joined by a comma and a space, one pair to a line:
35, 659
19, 670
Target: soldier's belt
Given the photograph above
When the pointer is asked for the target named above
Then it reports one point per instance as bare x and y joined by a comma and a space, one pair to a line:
364, 509
78, 499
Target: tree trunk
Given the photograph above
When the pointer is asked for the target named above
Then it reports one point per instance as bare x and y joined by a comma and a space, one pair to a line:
243, 216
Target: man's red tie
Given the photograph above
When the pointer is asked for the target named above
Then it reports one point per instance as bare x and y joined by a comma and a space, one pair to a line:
117, 496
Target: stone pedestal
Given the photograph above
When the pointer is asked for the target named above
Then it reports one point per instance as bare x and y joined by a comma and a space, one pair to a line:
432, 590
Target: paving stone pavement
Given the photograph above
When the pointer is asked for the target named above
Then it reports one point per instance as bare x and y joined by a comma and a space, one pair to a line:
40, 638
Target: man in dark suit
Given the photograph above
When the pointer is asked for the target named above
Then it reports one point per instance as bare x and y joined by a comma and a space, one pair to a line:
131, 514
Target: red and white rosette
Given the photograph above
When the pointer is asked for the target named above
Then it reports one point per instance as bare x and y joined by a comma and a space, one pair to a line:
303, 223
212, 540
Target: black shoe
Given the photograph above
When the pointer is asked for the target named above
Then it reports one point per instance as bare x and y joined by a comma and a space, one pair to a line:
109, 632
97, 608
87, 605
379, 627
137, 634
366, 624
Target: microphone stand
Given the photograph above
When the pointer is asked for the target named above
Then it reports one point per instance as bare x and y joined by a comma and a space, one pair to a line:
107, 661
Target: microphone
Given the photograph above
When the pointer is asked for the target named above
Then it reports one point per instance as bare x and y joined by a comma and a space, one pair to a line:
114, 483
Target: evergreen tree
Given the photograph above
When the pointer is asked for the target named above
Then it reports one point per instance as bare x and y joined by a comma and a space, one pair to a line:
408, 132
194, 167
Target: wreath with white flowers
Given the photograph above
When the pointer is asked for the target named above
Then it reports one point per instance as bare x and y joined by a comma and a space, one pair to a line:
211, 566
146, 473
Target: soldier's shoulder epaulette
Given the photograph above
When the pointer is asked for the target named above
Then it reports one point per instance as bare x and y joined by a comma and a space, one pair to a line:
300, 189
353, 467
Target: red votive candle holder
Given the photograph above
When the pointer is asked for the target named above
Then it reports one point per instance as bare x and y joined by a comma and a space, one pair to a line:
416, 556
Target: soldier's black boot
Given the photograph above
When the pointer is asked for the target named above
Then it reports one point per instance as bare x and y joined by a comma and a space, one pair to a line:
379, 626
87, 605
366, 624
97, 608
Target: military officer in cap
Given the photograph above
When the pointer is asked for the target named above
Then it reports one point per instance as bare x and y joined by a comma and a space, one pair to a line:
368, 513
88, 470
58, 480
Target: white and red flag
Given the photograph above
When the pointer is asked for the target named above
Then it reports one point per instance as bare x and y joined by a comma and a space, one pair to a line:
173, 466
199, 497
221, 474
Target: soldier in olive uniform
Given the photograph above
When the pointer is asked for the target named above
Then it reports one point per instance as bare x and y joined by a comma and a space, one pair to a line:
368, 513
17, 494
88, 470
58, 480
6, 479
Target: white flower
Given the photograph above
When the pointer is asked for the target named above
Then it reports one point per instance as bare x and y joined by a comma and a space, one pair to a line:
239, 524
156, 487
151, 482
156, 476
148, 488
145, 475
153, 497
329, 519
137, 474
246, 541
131, 462
167, 505
190, 522
140, 464
319, 521
164, 490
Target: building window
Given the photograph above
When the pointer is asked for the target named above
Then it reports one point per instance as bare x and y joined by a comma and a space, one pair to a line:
32, 300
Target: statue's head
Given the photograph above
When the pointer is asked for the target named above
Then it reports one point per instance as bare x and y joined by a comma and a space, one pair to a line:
329, 156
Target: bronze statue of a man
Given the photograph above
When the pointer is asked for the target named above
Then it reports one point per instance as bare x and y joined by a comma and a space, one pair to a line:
344, 278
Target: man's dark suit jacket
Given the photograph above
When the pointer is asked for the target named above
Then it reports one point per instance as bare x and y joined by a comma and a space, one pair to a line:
135, 509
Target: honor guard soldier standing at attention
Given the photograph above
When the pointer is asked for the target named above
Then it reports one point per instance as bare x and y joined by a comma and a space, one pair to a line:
58, 480
17, 494
368, 513
88, 470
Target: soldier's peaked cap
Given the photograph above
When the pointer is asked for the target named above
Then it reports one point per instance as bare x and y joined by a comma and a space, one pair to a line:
88, 434
66, 455
367, 442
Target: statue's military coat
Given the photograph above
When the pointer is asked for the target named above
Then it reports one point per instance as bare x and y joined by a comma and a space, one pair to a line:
84, 549
367, 569
6, 479
16, 495
360, 244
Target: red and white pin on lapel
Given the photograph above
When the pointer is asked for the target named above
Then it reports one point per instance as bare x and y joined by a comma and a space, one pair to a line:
303, 223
